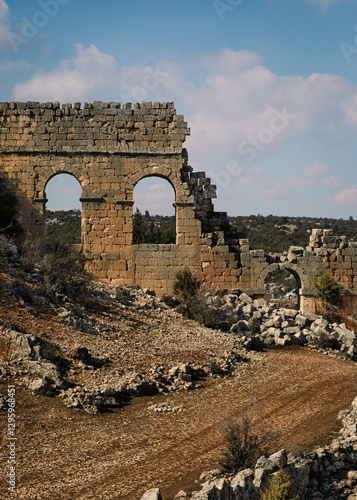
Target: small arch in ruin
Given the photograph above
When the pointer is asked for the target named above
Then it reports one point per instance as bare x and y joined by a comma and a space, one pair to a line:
282, 285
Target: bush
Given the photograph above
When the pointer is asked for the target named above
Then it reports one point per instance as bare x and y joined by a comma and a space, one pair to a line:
5, 252
32, 253
328, 290
243, 446
197, 309
63, 272
185, 285
280, 488
146, 231
60, 266
9, 225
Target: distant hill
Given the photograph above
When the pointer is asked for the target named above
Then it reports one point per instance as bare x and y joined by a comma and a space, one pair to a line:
63, 226
277, 233
272, 233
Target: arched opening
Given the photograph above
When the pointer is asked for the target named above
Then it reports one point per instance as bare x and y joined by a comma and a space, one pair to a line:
154, 214
282, 286
63, 210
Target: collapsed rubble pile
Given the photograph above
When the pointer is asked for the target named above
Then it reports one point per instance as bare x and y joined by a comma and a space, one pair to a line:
259, 323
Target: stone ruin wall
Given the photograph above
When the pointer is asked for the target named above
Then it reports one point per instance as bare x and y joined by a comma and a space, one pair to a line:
109, 147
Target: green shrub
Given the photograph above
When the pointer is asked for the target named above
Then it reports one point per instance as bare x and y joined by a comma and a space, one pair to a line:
60, 266
185, 285
329, 294
243, 446
280, 488
328, 290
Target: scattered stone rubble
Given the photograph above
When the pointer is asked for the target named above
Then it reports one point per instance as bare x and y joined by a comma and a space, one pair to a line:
40, 373
251, 324
258, 324
326, 473
31, 360
165, 408
45, 374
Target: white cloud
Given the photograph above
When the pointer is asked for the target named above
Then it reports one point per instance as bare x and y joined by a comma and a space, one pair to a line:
276, 189
349, 107
239, 102
331, 182
347, 196
273, 196
233, 105
155, 195
314, 169
75, 79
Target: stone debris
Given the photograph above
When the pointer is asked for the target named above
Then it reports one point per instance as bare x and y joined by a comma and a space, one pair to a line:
165, 408
251, 326
153, 494
3, 403
258, 323
181, 495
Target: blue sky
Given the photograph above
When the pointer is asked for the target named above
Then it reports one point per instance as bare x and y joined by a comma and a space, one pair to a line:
268, 88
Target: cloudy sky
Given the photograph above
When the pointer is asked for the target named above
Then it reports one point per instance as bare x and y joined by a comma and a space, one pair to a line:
268, 87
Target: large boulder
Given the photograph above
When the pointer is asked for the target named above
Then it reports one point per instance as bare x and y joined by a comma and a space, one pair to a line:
153, 494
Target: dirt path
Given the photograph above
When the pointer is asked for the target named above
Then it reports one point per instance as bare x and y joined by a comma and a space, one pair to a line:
65, 454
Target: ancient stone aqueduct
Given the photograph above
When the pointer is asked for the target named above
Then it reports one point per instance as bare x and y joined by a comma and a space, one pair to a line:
109, 147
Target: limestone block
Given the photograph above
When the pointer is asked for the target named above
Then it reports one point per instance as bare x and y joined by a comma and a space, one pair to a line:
257, 253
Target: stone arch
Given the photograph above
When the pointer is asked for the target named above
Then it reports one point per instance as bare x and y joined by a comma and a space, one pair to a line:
294, 269
180, 189
187, 224
62, 166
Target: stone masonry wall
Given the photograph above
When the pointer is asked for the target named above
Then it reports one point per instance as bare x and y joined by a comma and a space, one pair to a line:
109, 148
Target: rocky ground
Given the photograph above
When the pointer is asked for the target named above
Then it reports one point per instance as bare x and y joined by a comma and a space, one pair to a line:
117, 392
328, 472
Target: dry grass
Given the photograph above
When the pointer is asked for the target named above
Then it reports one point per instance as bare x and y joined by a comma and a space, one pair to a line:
5, 349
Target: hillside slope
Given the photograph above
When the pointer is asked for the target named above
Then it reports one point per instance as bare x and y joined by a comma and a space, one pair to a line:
83, 441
